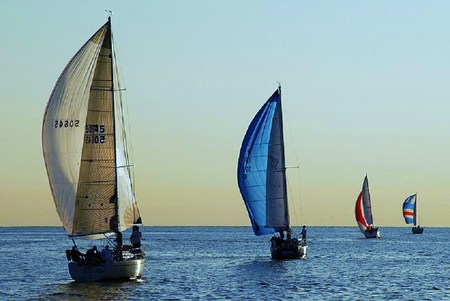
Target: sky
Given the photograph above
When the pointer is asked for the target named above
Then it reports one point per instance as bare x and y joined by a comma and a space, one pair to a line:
364, 88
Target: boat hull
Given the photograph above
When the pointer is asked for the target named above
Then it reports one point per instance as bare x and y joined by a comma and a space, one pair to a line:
116, 270
375, 233
416, 230
288, 249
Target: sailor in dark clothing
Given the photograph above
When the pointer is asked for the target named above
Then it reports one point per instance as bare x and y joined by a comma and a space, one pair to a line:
76, 255
304, 233
135, 237
93, 256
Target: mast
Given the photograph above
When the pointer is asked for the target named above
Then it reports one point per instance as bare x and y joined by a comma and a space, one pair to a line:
415, 212
116, 195
284, 162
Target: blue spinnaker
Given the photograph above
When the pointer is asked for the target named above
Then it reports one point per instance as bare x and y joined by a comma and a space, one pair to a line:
261, 170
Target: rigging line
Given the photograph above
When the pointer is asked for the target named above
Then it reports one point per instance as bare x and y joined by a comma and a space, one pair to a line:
298, 169
128, 135
291, 197
127, 141
124, 113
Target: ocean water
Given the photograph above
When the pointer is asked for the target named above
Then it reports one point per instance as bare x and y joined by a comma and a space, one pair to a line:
230, 263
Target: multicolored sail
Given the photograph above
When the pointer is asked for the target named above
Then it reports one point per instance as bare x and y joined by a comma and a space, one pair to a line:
409, 209
261, 171
363, 207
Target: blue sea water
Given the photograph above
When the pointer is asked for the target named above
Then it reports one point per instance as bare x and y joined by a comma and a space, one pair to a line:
230, 263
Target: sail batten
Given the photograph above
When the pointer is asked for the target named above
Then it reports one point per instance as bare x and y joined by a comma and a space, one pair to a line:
261, 170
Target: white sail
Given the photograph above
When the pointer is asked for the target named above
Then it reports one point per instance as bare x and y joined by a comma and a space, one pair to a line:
128, 210
84, 144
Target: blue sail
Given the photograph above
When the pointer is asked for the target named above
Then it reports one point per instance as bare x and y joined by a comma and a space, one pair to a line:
409, 209
261, 170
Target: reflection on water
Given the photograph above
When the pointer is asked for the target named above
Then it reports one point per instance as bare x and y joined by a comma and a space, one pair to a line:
92, 291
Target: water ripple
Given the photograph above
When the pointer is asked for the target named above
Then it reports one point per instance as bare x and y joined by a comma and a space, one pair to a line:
229, 263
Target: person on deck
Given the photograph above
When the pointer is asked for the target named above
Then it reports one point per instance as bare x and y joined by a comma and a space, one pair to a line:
106, 254
93, 256
304, 233
76, 255
135, 237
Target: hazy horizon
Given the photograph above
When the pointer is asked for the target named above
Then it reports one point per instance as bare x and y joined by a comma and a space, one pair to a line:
364, 90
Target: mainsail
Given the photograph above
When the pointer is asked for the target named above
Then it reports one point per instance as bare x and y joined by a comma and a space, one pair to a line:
261, 171
409, 209
363, 208
84, 144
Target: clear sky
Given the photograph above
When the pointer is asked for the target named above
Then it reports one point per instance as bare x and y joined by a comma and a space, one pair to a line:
365, 88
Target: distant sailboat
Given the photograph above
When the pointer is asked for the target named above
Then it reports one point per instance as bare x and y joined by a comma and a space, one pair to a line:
261, 174
410, 213
86, 156
363, 212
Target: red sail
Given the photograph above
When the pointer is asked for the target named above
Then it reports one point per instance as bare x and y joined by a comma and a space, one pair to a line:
362, 223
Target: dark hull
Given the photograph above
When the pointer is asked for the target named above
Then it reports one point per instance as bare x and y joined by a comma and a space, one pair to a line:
416, 230
288, 249
374, 233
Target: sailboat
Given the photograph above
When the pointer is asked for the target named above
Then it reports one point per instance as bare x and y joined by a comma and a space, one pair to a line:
261, 175
363, 212
86, 155
410, 213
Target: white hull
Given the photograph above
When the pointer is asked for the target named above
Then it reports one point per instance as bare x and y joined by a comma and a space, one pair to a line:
116, 270
303, 251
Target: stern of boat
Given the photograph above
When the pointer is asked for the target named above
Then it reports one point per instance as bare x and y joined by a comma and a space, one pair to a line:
375, 233
288, 249
416, 230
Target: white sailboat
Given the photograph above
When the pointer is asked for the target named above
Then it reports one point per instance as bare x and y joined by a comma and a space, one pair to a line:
261, 174
85, 151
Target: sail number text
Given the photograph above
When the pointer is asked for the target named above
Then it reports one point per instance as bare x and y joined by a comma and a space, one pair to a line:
67, 123
92, 131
